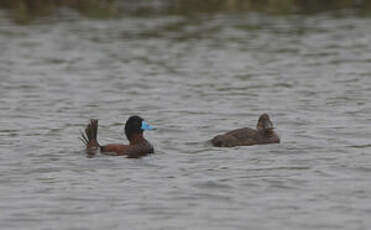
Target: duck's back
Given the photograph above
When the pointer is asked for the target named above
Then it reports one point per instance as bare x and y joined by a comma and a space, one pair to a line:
243, 136
134, 151
243, 133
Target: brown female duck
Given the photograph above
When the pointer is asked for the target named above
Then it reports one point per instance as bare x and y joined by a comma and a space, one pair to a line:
263, 134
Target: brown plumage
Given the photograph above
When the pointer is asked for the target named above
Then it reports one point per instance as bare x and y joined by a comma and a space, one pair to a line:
263, 134
138, 146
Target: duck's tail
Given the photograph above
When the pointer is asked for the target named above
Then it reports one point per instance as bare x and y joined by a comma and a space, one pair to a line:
89, 138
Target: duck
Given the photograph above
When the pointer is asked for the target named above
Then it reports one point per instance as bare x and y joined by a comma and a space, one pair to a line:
134, 127
263, 134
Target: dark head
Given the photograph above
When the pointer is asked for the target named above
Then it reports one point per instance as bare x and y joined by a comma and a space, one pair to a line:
136, 125
264, 123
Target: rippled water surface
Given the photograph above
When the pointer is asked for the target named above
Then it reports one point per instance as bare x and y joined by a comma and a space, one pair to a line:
192, 78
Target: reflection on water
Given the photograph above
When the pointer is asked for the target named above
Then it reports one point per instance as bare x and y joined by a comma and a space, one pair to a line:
192, 77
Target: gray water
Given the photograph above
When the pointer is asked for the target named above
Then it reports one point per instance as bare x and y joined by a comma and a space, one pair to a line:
192, 78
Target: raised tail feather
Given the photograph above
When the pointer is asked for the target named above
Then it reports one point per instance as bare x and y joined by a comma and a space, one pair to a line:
89, 138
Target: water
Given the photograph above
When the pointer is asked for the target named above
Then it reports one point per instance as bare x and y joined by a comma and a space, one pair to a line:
192, 78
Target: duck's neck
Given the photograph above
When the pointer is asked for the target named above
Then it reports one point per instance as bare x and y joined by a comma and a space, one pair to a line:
136, 139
